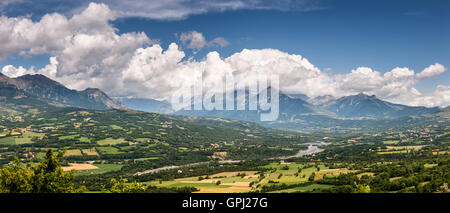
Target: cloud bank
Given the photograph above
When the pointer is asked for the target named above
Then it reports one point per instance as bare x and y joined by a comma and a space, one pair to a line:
87, 51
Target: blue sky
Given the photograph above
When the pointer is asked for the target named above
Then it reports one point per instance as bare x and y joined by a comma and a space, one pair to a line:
337, 34
342, 36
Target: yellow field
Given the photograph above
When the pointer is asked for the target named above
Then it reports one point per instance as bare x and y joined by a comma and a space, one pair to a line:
393, 152
440, 152
90, 152
229, 182
286, 178
233, 189
189, 180
404, 147
333, 172
394, 178
79, 166
111, 141
232, 174
73, 152
370, 174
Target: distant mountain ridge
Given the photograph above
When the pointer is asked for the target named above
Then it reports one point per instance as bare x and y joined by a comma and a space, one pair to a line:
319, 100
362, 105
324, 112
295, 110
50, 91
289, 108
147, 105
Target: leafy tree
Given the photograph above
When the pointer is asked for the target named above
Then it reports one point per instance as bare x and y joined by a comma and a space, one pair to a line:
121, 186
444, 188
312, 176
16, 178
45, 177
362, 189
285, 168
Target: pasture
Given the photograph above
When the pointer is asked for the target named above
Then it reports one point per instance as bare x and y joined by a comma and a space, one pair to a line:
68, 137
109, 150
101, 168
304, 188
391, 142
27, 137
111, 141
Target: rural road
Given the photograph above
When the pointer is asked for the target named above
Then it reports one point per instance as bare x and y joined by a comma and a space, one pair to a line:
151, 171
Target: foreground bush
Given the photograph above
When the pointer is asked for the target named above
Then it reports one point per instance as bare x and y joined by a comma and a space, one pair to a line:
45, 177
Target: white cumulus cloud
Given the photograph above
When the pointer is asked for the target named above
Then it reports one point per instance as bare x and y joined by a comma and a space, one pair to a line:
196, 40
13, 72
87, 51
431, 71
395, 85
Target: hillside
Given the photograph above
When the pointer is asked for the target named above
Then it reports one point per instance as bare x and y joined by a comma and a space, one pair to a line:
16, 102
55, 93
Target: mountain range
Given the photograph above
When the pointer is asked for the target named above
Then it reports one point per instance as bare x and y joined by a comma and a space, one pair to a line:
295, 111
294, 107
146, 105
362, 105
289, 108
45, 89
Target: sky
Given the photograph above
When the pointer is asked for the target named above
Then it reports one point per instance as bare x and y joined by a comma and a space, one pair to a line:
397, 50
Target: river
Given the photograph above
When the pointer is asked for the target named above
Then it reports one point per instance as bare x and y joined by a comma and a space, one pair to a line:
312, 149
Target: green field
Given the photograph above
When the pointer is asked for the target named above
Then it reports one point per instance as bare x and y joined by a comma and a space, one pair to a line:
84, 139
67, 137
142, 159
108, 150
7, 141
26, 137
390, 142
142, 139
102, 168
237, 179
288, 176
304, 188
115, 127
111, 141
40, 155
